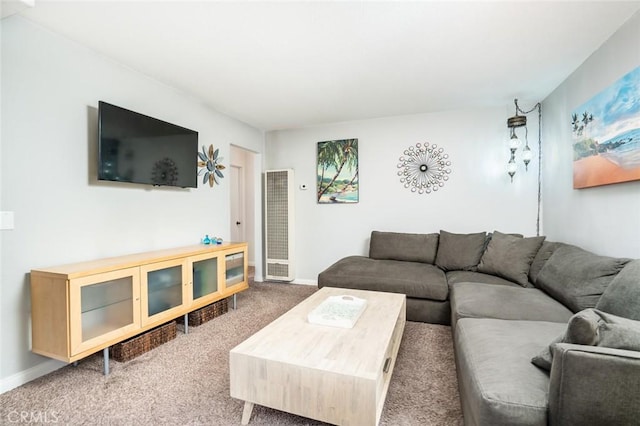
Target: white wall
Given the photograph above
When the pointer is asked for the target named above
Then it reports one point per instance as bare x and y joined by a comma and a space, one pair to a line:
477, 197
603, 219
50, 92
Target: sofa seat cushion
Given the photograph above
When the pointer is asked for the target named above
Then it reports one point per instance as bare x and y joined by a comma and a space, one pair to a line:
498, 384
476, 300
415, 279
454, 277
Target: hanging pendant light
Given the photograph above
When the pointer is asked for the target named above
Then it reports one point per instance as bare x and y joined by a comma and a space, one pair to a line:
514, 143
527, 154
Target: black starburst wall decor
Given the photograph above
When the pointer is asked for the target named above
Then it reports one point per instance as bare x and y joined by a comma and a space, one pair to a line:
210, 166
164, 172
424, 168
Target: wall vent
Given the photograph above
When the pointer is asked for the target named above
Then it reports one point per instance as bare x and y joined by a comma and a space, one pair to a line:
279, 214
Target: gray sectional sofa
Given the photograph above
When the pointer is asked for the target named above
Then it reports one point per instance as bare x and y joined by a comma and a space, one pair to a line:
544, 332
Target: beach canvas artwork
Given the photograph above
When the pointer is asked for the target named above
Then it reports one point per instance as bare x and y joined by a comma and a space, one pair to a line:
606, 135
337, 172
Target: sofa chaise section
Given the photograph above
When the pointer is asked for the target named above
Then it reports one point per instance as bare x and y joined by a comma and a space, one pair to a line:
398, 263
424, 284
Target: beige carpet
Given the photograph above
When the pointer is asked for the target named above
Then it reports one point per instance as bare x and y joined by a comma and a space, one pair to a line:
186, 381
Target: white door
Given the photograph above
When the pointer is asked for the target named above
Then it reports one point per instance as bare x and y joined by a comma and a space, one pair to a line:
237, 204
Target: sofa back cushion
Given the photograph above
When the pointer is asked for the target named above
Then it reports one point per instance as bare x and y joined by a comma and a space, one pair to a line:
510, 257
460, 252
545, 252
622, 297
577, 278
401, 246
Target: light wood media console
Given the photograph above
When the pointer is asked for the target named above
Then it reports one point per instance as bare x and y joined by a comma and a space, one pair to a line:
81, 308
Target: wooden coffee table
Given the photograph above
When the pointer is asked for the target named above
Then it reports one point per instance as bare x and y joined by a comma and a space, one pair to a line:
335, 375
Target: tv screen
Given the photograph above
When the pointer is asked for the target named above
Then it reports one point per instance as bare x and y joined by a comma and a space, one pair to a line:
136, 148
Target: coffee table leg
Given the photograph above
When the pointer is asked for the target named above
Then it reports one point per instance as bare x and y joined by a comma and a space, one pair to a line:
246, 413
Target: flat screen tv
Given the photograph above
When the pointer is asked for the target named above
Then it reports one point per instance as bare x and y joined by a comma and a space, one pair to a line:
136, 148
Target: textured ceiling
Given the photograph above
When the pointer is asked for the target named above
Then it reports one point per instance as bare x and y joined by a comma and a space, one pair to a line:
280, 65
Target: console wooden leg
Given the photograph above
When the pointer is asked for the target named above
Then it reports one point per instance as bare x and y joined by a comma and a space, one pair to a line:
246, 413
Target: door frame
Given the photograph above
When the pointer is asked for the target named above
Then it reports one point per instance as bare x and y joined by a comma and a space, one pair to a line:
239, 200
251, 161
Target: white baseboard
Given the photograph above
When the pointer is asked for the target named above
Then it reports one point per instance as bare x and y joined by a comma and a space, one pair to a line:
22, 377
305, 282
296, 281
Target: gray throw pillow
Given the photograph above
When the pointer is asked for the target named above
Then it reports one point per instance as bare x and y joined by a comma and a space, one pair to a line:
577, 278
401, 246
510, 257
622, 297
490, 234
545, 357
593, 327
460, 252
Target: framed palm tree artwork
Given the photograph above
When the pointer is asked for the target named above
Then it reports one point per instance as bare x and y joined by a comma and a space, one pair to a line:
337, 172
606, 135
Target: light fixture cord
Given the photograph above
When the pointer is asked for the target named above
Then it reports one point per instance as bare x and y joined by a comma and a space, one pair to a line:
539, 107
539, 167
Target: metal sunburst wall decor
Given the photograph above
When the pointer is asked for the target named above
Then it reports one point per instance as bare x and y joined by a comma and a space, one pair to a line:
210, 166
424, 168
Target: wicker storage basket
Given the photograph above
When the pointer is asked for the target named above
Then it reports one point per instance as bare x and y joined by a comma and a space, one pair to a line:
209, 312
136, 346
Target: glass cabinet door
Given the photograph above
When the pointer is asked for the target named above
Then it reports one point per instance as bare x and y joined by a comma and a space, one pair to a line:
163, 290
234, 269
205, 277
103, 306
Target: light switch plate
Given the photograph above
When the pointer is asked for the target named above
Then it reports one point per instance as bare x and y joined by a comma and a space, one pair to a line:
6, 220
